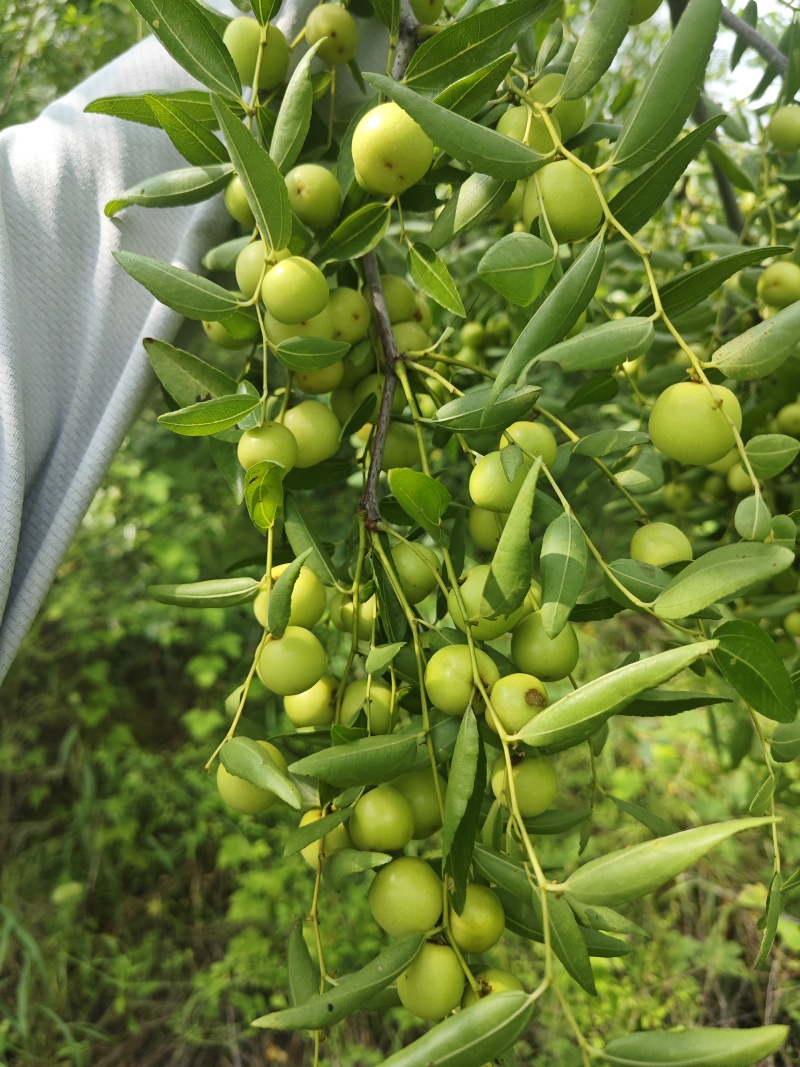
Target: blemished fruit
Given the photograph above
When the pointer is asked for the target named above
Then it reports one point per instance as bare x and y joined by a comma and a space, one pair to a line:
535, 785
643, 10
570, 114
236, 200
533, 652
534, 438
491, 980
295, 290
419, 789
307, 603
244, 797
349, 314
779, 284
427, 11
382, 820
315, 706
399, 297
417, 567
449, 680
377, 705
660, 543
524, 125
338, 837
339, 26
433, 984
272, 441
293, 663
316, 431
489, 487
390, 151
242, 38
570, 201
687, 425
471, 589
406, 897
342, 615
315, 195
515, 699
783, 130
482, 922
485, 527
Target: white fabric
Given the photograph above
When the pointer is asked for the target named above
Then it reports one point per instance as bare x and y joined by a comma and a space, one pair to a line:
72, 369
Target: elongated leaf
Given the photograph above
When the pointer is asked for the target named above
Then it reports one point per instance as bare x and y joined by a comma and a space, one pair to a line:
770, 453
563, 564
388, 11
356, 235
310, 353
772, 916
134, 107
345, 862
605, 442
313, 831
467, 95
576, 716
749, 659
569, 944
706, 1047
184, 292
223, 257
381, 656
670, 702
186, 378
211, 416
301, 537
470, 412
251, 761
508, 581
594, 53
422, 498
432, 276
265, 9
294, 117
303, 973
197, 144
518, 266
217, 593
605, 346
365, 762
263, 493
261, 180
280, 598
461, 783
476, 200
352, 992
760, 350
557, 821
673, 88
635, 871
191, 39
189, 185
642, 580
721, 573
644, 816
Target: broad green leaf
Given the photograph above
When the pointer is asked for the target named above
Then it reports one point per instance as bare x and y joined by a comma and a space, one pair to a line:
352, 992
597, 45
645, 474
642, 580
485, 150
633, 872
569, 944
749, 659
303, 974
301, 536
785, 742
245, 758
261, 180
380, 656
518, 266
365, 762
770, 453
186, 378
468, 43
430, 275
210, 416
598, 918
184, 292
644, 816
345, 862
603, 347
509, 579
192, 40
223, 257
576, 716
752, 518
310, 353
197, 144
605, 442
356, 235
421, 497
216, 593
461, 784
265, 9
672, 89
750, 16
563, 565
312, 831
477, 410
524, 919
477, 199
641, 198
702, 1047
263, 493
720, 574
468, 95
294, 117
759, 351
280, 597
670, 702
134, 107
760, 804
557, 315
388, 12
472, 1037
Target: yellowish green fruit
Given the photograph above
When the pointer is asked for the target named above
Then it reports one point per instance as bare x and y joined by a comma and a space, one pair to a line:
410, 336
779, 284
317, 326
293, 663
342, 615
335, 839
569, 114
660, 543
307, 605
481, 924
548, 658
321, 381
471, 593
534, 438
295, 290
739, 480
405, 897
399, 297
489, 487
216, 332
391, 152
535, 785
427, 11
569, 199
315, 195
523, 124
515, 700
331, 21
377, 705
417, 567
449, 679
316, 430
419, 789
315, 706
349, 313
491, 980
244, 797
687, 424
401, 448
382, 820
784, 129
485, 527
788, 419
643, 10
272, 441
242, 38
236, 201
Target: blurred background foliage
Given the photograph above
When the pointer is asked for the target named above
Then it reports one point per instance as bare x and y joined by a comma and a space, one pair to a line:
141, 923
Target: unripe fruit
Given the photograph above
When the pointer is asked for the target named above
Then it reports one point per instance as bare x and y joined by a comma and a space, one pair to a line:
295, 290
242, 38
522, 124
472, 334
642, 10
784, 128
515, 699
315, 706
533, 652
401, 448
343, 403
660, 543
417, 567
788, 419
243, 796
316, 430
250, 264
399, 297
570, 201
406, 897
272, 441
535, 785
739, 480
471, 590
216, 332
292, 663
678, 496
686, 425
423, 315
321, 381
569, 114
317, 326
335, 839
779, 284
382, 820
390, 151
492, 980
485, 527
307, 603
791, 623
419, 789
722, 466
410, 337
339, 26
427, 11
536, 439
315, 195
349, 314
236, 201
377, 706
482, 922
448, 679
342, 614
373, 384
511, 211
489, 487
433, 984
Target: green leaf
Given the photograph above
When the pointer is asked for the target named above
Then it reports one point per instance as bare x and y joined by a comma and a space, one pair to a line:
223, 257
468, 95
388, 12
264, 10
518, 267
770, 453
557, 821
303, 974
670, 702
576, 716
351, 992
422, 498
210, 416
772, 916
380, 656
605, 442
184, 292
785, 742
280, 597
735, 174
224, 455
752, 518
569, 944
646, 818
461, 782
672, 89
245, 758
701, 1047
365, 762
345, 862
263, 493
197, 144
390, 610
468, 43
721, 573
261, 180
432, 277
750, 662
637, 870
594, 53
356, 235
605, 346
216, 593
759, 351
477, 199
472, 1037
557, 315
294, 117
642, 580
485, 150
135, 107
509, 579
186, 378
306, 835
301, 537
477, 410
192, 40
310, 353
563, 563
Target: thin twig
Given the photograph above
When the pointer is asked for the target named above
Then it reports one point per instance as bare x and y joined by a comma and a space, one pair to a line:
406, 43
754, 40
